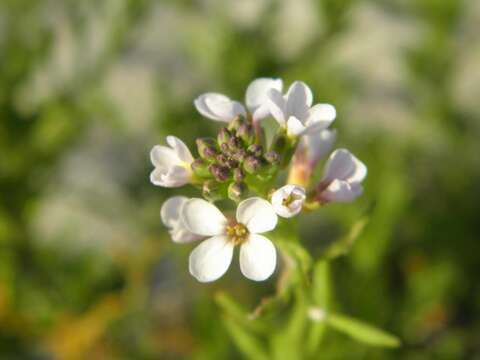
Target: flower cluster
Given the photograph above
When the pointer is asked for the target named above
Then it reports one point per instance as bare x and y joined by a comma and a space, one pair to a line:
243, 165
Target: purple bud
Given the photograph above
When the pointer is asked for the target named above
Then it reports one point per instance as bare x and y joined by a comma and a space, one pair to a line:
255, 149
239, 155
234, 143
220, 173
236, 190
206, 148
246, 133
252, 164
223, 136
238, 175
272, 157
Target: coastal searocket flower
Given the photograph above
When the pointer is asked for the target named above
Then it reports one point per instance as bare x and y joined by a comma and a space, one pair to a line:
172, 164
170, 215
295, 112
219, 107
211, 259
244, 163
288, 200
342, 179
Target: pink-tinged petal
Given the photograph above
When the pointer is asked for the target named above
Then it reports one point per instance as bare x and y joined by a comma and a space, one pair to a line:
257, 90
338, 166
209, 103
257, 215
173, 176
258, 258
211, 259
341, 191
180, 149
277, 106
203, 218
318, 144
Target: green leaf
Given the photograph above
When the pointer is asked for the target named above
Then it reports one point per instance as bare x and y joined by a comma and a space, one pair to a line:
344, 245
361, 331
321, 298
248, 344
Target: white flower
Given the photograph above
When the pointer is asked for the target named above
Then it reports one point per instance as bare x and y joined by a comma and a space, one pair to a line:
170, 215
288, 200
295, 112
211, 259
172, 164
342, 179
219, 107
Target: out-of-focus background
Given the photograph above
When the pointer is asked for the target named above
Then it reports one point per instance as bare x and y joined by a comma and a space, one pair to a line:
88, 87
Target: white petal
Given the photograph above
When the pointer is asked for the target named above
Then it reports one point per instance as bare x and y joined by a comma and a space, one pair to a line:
261, 112
318, 144
257, 215
295, 126
173, 176
170, 211
211, 259
258, 258
213, 106
256, 94
181, 235
203, 218
181, 150
299, 100
162, 156
341, 191
292, 209
343, 165
325, 113
225, 110
277, 106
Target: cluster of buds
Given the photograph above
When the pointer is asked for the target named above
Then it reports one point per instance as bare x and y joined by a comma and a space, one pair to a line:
242, 165
234, 160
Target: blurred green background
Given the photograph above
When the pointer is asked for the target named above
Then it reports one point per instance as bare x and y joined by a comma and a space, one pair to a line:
88, 87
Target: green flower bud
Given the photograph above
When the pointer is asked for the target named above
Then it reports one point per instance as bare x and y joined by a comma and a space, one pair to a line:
212, 190
235, 123
272, 157
255, 149
236, 190
206, 148
234, 144
220, 173
224, 148
238, 175
223, 136
252, 164
200, 168
239, 155
246, 133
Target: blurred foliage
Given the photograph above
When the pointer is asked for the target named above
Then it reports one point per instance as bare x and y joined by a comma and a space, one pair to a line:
88, 87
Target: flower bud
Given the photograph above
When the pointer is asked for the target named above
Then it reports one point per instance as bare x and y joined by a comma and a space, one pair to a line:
246, 133
272, 157
239, 155
200, 168
236, 190
220, 173
212, 190
234, 143
222, 159
231, 163
252, 164
224, 148
223, 136
255, 149
238, 175
235, 123
206, 148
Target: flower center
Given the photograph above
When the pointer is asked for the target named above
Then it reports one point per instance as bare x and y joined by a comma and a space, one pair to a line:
289, 199
237, 233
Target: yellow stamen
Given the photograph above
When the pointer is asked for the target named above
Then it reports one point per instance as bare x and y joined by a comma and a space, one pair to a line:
237, 233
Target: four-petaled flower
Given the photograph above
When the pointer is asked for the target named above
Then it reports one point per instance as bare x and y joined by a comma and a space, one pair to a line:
172, 164
288, 200
219, 107
211, 259
295, 112
342, 179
